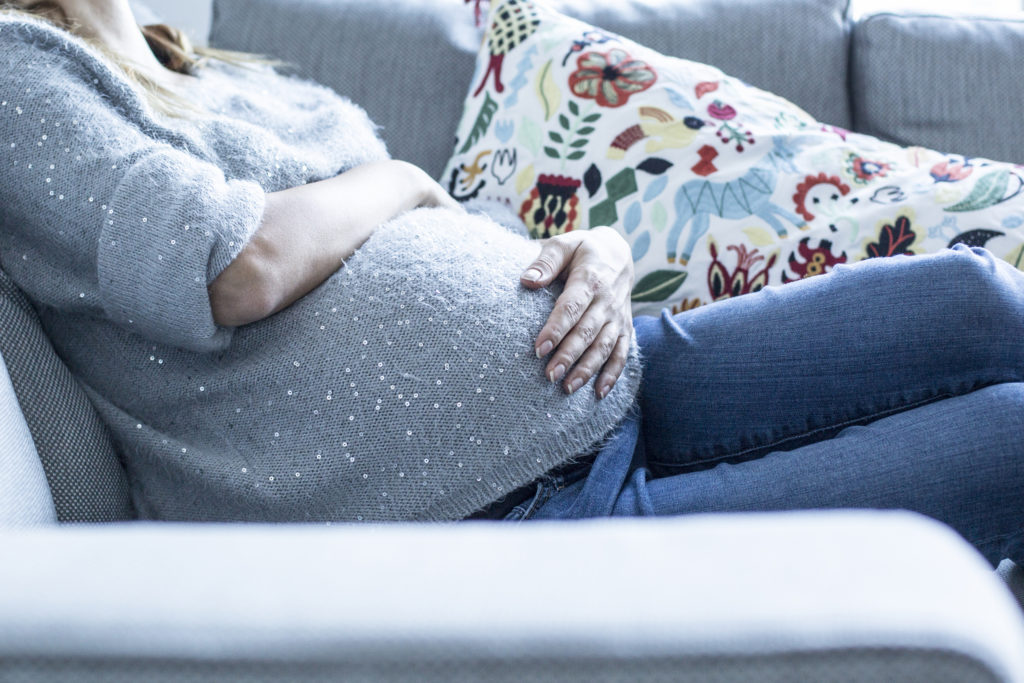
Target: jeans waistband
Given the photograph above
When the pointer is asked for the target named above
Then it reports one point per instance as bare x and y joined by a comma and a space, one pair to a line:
500, 508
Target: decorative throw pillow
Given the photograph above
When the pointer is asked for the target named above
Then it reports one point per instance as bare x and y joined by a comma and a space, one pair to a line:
720, 188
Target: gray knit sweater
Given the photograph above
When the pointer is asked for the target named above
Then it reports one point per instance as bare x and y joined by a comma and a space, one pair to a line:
404, 387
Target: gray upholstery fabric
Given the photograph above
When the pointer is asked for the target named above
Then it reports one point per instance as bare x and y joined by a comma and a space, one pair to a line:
843, 666
412, 76
86, 478
910, 74
24, 495
809, 596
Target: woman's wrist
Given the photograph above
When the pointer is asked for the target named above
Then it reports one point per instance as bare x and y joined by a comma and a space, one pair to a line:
414, 182
425, 191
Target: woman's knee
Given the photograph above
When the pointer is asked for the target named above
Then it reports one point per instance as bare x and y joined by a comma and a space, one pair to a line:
976, 299
984, 290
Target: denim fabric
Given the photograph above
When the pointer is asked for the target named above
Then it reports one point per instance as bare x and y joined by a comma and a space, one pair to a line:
546, 487
891, 383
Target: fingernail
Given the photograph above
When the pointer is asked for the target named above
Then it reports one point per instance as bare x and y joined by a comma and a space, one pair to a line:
603, 391
532, 275
575, 384
544, 349
557, 373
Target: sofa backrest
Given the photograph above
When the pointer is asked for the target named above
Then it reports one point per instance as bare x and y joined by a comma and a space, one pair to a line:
409, 63
952, 84
85, 476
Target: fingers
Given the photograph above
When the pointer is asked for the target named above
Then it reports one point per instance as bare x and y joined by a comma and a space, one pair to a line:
615, 365
554, 256
576, 299
594, 356
579, 339
587, 342
592, 316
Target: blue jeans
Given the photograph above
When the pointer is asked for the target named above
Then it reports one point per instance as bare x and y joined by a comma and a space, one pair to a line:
891, 383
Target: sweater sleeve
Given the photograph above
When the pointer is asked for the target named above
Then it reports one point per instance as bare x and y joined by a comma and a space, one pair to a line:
106, 212
172, 225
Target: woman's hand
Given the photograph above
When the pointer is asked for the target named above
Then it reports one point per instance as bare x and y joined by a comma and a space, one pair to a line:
591, 322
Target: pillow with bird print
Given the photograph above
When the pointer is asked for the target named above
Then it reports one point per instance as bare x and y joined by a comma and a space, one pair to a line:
719, 188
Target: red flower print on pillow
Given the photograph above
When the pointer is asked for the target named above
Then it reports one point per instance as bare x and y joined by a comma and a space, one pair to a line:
610, 77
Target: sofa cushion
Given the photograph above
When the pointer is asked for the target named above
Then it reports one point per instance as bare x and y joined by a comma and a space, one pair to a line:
720, 188
407, 61
86, 478
24, 495
951, 83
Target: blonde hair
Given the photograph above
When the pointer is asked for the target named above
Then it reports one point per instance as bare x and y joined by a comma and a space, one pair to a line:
170, 46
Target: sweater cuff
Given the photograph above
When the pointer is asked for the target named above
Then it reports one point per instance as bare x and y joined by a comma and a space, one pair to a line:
160, 249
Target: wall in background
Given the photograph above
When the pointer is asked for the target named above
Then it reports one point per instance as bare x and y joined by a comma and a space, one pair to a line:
191, 16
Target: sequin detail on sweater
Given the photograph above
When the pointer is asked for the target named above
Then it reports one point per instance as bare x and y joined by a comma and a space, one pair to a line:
404, 387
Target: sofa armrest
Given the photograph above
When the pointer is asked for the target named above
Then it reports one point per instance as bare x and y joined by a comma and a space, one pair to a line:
782, 596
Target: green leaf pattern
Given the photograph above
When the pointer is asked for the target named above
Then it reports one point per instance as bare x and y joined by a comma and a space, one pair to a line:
571, 135
658, 286
988, 191
483, 122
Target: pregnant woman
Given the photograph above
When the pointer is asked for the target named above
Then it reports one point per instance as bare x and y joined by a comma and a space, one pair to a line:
278, 322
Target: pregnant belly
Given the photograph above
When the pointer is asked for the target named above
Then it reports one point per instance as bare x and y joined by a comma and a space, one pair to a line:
406, 386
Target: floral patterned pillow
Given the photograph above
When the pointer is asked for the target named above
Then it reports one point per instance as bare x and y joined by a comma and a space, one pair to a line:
720, 188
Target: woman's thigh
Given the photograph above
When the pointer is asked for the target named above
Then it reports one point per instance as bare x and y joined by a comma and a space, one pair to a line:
959, 460
796, 364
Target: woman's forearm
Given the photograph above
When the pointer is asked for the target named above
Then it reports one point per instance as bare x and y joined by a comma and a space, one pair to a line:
308, 231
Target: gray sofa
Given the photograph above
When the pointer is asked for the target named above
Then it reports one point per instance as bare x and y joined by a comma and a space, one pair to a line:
86, 594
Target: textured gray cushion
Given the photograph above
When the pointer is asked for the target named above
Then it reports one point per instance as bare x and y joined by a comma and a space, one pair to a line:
86, 478
939, 82
848, 666
410, 63
820, 596
24, 495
